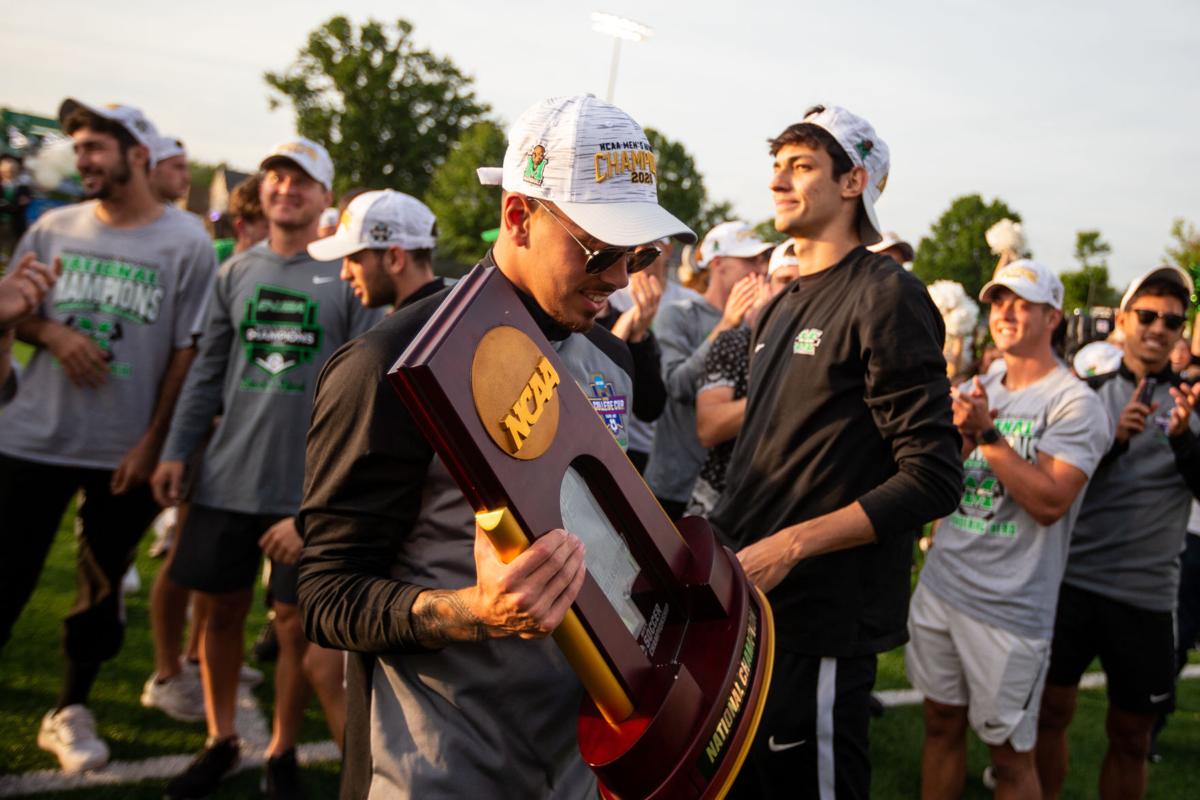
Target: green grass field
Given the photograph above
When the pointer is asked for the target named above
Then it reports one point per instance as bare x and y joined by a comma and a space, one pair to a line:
29, 682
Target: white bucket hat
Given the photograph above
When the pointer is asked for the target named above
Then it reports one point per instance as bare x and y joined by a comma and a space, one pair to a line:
593, 161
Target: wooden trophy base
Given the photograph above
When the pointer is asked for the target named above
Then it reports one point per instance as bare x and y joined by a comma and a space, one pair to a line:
688, 737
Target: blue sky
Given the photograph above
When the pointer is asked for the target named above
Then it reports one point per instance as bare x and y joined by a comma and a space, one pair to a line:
1078, 115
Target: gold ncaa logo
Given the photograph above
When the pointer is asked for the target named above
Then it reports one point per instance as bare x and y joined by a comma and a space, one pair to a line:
515, 391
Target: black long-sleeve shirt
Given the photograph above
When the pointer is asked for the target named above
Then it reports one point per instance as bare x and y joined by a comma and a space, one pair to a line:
848, 401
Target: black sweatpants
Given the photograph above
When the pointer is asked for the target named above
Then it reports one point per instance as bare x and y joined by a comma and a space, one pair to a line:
812, 739
33, 497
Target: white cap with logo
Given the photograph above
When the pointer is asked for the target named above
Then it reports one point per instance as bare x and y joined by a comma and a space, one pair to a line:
866, 150
165, 147
305, 154
593, 161
1029, 280
377, 221
130, 118
1169, 273
734, 239
783, 255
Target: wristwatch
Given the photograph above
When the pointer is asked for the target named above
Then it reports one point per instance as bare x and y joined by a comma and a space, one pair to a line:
990, 436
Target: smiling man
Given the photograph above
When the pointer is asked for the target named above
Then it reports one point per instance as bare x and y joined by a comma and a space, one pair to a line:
113, 343
982, 616
1121, 584
445, 696
385, 242
275, 316
848, 448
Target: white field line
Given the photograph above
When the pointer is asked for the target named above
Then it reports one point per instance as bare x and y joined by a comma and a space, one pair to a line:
252, 726
1091, 680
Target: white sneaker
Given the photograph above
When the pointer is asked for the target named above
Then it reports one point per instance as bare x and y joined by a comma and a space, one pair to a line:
70, 734
180, 697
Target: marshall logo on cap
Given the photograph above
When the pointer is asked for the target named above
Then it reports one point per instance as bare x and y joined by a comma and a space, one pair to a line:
535, 165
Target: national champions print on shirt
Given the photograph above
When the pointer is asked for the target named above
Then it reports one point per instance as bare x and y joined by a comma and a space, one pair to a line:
611, 407
982, 490
279, 332
98, 294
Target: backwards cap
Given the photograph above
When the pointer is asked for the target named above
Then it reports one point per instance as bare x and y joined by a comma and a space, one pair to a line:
866, 150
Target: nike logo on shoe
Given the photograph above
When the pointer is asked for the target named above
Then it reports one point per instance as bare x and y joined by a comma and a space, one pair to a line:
776, 747
317, 279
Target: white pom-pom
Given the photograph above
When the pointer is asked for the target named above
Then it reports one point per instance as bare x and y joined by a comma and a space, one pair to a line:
55, 161
1006, 236
959, 311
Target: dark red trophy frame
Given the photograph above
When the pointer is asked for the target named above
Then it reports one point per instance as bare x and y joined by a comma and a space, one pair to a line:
697, 675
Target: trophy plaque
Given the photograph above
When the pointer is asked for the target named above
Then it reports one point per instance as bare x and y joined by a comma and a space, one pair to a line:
672, 643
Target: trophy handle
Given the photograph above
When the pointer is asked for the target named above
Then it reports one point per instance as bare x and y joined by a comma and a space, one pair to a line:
572, 639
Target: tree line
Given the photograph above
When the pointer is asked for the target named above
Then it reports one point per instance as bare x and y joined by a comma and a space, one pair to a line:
395, 115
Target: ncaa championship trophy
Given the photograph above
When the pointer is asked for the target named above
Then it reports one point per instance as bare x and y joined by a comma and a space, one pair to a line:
670, 640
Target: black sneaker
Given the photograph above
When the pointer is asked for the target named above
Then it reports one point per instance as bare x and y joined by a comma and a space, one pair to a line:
207, 770
281, 777
266, 646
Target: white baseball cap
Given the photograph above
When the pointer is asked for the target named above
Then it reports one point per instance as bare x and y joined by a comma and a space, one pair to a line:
1169, 273
165, 147
593, 161
307, 155
866, 150
735, 239
1029, 280
783, 255
890, 240
377, 221
130, 118
1097, 358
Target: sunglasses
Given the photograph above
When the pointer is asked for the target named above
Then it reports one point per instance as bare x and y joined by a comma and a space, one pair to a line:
1146, 317
602, 259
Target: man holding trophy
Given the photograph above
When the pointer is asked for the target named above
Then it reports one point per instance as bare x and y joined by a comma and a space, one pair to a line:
444, 699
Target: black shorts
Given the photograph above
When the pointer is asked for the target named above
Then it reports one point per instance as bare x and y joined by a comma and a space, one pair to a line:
812, 740
218, 552
1136, 648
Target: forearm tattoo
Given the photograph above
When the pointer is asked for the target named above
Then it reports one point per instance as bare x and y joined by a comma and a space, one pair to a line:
439, 616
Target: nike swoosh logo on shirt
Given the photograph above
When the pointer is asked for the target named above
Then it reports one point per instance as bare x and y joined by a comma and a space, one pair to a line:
776, 747
760, 346
1158, 698
317, 279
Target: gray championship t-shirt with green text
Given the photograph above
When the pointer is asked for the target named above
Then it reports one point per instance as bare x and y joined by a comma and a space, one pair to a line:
136, 292
991, 559
272, 323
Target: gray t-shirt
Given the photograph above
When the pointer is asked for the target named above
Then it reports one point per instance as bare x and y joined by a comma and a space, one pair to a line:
682, 329
1130, 530
272, 323
991, 559
136, 293
641, 434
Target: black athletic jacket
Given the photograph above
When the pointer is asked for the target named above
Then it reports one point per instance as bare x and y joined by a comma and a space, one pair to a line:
848, 401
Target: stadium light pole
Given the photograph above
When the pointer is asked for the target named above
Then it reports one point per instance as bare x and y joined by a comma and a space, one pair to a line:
620, 29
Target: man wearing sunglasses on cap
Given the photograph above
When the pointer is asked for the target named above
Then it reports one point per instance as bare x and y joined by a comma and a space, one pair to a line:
452, 688
1122, 579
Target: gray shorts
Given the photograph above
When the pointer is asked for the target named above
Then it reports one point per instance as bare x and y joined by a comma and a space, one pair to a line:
956, 660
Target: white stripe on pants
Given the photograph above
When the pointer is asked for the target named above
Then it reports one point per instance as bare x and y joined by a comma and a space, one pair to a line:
826, 694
